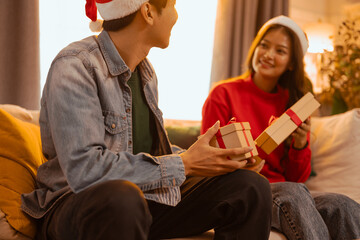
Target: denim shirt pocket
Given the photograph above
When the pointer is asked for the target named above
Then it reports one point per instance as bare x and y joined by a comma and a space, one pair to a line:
116, 131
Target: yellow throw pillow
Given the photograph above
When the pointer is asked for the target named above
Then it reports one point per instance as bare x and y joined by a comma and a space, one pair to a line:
20, 156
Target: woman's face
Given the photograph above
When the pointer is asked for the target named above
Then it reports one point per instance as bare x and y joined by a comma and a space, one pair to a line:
272, 57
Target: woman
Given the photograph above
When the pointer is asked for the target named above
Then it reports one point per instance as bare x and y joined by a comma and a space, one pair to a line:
273, 82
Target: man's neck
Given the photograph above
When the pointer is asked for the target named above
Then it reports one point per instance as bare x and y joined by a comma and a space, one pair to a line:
130, 46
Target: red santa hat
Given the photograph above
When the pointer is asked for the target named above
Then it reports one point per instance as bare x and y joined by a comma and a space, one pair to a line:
288, 22
110, 10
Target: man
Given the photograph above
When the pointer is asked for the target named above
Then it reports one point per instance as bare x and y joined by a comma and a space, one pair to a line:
111, 171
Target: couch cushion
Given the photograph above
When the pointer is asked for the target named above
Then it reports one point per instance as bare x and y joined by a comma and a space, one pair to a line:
20, 156
7, 232
182, 133
335, 143
182, 136
21, 113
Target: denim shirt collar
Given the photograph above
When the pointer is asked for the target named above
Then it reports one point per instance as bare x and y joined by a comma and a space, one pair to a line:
115, 63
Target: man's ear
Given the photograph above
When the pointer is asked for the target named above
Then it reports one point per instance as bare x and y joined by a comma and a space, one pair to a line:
147, 12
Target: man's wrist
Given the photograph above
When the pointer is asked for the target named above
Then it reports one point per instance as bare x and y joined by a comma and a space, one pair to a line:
183, 158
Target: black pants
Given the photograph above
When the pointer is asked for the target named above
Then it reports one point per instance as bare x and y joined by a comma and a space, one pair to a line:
237, 205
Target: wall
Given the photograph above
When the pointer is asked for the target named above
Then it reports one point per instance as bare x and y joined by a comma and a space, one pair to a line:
308, 11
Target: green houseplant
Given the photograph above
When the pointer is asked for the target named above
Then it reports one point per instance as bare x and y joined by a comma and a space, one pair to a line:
341, 67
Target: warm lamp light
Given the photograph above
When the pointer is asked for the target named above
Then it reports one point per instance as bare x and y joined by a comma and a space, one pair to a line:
320, 36
312, 68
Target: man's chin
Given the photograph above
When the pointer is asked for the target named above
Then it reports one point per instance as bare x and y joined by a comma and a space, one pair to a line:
164, 45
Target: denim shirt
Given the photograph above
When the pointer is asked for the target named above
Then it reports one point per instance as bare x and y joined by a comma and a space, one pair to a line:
86, 129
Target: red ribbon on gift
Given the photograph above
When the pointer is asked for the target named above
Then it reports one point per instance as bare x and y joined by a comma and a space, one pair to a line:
295, 118
247, 141
272, 119
232, 120
219, 136
220, 140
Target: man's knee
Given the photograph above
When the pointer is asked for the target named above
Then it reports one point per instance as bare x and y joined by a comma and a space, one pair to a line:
118, 198
93, 213
253, 179
252, 184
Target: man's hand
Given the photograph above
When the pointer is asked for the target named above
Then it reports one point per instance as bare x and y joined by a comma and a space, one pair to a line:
300, 134
201, 159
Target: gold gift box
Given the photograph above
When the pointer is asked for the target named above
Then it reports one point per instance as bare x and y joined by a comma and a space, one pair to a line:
235, 135
282, 127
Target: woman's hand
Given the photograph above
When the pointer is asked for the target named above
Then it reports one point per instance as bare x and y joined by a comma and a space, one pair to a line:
300, 134
257, 167
201, 159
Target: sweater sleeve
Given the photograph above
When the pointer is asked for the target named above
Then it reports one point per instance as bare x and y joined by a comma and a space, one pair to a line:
215, 108
298, 163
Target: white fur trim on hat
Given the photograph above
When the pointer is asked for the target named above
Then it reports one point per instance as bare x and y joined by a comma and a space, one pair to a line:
118, 8
287, 22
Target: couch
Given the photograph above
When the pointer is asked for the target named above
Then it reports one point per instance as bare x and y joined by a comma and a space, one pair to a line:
335, 144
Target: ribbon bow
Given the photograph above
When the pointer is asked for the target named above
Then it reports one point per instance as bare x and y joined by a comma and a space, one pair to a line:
293, 116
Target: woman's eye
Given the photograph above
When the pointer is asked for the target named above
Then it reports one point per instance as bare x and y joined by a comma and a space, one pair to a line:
263, 45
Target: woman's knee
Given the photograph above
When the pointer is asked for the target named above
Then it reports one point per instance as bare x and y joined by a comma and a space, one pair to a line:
324, 198
290, 191
335, 204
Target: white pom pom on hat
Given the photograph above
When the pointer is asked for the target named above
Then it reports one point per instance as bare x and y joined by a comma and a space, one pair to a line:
287, 22
96, 26
110, 10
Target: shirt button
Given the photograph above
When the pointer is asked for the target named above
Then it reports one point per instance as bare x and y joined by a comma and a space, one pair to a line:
113, 125
130, 142
128, 110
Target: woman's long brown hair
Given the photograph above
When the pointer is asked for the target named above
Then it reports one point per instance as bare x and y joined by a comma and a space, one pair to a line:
292, 80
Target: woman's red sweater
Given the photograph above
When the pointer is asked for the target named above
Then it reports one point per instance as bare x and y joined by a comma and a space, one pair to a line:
242, 99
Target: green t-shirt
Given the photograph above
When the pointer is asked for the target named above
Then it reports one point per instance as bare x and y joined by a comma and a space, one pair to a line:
142, 118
